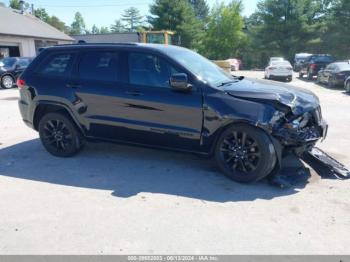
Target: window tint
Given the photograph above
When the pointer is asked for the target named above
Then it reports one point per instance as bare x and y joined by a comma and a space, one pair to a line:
57, 65
149, 70
100, 66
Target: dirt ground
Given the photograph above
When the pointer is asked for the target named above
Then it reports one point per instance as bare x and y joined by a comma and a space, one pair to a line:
113, 199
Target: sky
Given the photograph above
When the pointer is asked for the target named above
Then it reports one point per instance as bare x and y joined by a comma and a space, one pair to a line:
104, 12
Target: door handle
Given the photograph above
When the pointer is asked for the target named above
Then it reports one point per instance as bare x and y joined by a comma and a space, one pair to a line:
133, 93
73, 85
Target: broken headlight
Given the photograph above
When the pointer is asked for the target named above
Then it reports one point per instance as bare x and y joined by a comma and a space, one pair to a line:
299, 122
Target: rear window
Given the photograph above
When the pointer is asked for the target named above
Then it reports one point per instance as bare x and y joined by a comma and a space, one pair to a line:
99, 66
326, 59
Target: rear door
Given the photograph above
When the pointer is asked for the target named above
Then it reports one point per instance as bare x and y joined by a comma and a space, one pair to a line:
99, 90
155, 113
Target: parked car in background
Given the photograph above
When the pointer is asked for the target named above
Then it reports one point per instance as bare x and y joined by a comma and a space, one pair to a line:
313, 64
235, 64
299, 59
275, 59
11, 68
334, 74
279, 70
347, 84
167, 97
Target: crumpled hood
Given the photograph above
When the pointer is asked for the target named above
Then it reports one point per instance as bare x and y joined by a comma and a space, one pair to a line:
297, 99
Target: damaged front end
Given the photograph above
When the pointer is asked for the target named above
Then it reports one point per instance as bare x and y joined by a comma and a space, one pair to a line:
299, 133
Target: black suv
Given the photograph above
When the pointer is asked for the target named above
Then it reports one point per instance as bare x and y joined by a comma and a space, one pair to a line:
313, 64
11, 68
166, 97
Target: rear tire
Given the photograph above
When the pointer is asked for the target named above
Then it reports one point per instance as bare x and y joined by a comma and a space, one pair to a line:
301, 75
309, 76
245, 153
7, 82
59, 135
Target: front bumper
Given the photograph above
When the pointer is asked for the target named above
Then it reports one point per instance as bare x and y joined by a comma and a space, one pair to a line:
303, 137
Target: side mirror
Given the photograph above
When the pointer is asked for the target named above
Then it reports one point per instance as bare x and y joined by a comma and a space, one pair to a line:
179, 82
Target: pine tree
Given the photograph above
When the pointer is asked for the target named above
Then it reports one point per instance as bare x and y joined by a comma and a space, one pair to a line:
132, 18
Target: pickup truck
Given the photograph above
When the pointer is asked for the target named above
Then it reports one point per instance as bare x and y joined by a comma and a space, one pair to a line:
313, 64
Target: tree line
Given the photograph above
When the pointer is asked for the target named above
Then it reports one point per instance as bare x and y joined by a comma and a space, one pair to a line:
276, 28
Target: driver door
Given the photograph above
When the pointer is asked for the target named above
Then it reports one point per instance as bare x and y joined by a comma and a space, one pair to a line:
156, 114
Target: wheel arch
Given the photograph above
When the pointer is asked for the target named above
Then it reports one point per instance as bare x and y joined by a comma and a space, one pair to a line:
44, 107
277, 145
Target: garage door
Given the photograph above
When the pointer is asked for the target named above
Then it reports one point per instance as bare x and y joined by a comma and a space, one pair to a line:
6, 51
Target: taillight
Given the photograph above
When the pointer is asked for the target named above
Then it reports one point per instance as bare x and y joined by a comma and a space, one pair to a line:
313, 66
20, 83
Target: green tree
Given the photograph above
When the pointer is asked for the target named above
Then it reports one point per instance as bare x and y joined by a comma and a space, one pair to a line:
177, 16
78, 26
286, 27
104, 30
117, 27
95, 30
58, 24
16, 4
42, 14
200, 8
224, 36
336, 38
132, 18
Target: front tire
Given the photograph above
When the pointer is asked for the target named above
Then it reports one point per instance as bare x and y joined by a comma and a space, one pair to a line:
7, 82
331, 83
245, 153
59, 135
347, 87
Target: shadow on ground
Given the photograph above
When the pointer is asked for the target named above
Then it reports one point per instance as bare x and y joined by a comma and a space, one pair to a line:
128, 171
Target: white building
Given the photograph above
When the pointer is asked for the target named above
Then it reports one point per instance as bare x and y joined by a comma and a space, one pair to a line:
23, 34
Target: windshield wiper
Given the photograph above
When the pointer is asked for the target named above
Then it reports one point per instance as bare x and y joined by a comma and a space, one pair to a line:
227, 82
236, 79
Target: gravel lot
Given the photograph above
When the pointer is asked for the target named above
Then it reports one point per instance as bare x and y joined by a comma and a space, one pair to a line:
113, 199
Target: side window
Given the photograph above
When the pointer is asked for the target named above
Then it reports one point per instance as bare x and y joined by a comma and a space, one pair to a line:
149, 70
100, 66
56, 65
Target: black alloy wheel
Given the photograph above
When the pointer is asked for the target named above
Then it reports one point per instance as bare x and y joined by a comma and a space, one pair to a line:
59, 135
245, 153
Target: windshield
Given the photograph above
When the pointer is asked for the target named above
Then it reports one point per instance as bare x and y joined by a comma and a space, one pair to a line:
344, 66
8, 62
200, 66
